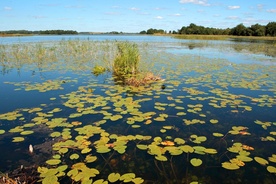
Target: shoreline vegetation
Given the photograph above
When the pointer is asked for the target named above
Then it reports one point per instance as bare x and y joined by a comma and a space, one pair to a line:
178, 36
193, 31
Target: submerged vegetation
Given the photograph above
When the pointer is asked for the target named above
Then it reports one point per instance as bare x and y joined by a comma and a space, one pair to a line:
210, 121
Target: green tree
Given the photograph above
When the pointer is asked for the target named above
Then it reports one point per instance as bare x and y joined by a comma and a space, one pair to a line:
271, 29
258, 30
239, 30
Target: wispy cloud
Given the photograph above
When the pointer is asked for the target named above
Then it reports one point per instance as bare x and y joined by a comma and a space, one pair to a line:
7, 8
260, 7
198, 2
159, 17
177, 14
233, 7
232, 17
112, 13
271, 11
39, 17
134, 9
251, 21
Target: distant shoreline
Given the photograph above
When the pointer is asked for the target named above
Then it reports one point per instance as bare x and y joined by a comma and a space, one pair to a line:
179, 36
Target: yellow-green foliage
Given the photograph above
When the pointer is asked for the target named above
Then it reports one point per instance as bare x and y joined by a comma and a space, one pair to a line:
97, 70
127, 58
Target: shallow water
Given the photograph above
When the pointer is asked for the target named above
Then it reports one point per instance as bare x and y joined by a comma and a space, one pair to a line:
207, 90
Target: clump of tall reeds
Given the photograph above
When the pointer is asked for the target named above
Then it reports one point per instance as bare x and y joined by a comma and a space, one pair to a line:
127, 59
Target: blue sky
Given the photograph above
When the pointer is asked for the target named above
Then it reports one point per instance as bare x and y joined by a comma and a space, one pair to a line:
132, 15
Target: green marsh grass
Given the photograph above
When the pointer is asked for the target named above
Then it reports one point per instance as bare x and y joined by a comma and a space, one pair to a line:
127, 59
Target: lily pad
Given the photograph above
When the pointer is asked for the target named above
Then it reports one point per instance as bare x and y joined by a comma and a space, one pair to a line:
196, 162
187, 149
142, 146
161, 158
217, 134
137, 180
213, 121
230, 166
100, 181
179, 141
74, 156
90, 158
18, 139
261, 160
55, 134
27, 132
113, 177
53, 161
210, 151
271, 169
127, 177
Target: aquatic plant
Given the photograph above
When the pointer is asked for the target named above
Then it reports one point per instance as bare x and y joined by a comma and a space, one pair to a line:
98, 70
127, 59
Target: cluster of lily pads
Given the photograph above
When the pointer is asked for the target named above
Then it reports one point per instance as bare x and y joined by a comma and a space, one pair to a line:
101, 125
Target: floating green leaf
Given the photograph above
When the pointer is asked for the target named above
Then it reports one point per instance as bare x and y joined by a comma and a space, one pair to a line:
18, 139
196, 162
271, 169
142, 146
261, 160
187, 148
230, 166
74, 156
100, 181
55, 134
179, 141
161, 158
213, 121
53, 161
113, 177
218, 134
210, 151
137, 180
127, 177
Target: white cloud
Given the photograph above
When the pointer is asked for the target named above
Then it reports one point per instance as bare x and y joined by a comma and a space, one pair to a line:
7, 8
260, 7
177, 14
271, 11
232, 17
159, 17
39, 17
134, 9
198, 2
233, 7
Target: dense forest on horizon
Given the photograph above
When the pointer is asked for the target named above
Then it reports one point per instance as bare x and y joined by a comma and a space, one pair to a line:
51, 32
239, 30
192, 29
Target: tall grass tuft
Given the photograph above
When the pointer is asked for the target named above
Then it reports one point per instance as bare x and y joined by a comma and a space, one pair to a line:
127, 59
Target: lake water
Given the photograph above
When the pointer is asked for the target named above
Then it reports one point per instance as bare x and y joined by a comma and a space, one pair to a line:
210, 120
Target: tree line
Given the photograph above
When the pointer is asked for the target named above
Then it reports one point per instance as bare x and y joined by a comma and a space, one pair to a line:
239, 30
52, 32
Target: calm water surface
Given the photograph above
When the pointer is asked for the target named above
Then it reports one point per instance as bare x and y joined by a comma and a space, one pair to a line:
216, 106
